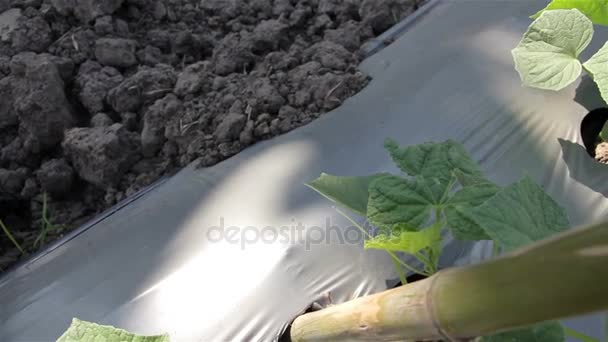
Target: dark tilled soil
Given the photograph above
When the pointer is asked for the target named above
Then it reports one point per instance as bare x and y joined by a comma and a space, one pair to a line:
99, 98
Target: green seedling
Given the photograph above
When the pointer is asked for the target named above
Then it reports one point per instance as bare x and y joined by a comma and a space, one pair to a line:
46, 225
442, 191
10, 236
548, 55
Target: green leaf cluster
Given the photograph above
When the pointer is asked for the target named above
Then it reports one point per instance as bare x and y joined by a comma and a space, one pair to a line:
547, 57
442, 189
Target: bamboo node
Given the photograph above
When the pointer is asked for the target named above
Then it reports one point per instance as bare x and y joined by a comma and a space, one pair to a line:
432, 311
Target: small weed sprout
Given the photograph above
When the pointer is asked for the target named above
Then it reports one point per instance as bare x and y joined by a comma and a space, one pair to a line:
10, 236
46, 225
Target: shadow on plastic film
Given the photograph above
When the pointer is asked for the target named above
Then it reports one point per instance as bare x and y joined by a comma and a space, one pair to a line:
588, 95
159, 244
189, 261
584, 169
580, 158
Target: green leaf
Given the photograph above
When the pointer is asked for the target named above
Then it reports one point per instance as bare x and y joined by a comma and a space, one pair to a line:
434, 161
547, 56
520, 214
407, 241
81, 331
463, 226
350, 192
459, 220
596, 10
394, 201
597, 67
544, 332
468, 179
474, 195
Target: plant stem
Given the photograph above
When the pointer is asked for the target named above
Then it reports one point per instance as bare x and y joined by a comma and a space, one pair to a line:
518, 289
495, 248
394, 256
435, 251
579, 336
10, 236
428, 264
399, 269
588, 71
45, 225
407, 266
446, 193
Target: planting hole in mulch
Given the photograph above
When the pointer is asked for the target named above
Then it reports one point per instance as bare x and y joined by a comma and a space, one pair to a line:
591, 126
99, 99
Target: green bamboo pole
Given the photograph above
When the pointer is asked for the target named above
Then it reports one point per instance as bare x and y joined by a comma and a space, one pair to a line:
563, 276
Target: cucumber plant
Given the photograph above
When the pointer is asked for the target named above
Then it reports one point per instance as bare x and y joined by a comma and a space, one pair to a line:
547, 57
441, 191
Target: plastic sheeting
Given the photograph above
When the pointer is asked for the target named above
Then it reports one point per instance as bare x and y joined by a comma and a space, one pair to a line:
157, 265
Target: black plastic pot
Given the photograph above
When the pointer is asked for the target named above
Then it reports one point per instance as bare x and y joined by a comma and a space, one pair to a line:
591, 126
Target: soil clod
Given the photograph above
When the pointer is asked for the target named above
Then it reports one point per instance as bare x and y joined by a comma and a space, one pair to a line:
99, 98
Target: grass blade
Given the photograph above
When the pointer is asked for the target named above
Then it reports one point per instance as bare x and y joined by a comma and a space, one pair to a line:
10, 236
579, 336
